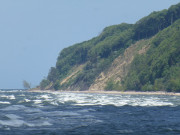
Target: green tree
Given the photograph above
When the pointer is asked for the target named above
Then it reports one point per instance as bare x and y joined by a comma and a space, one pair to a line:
44, 83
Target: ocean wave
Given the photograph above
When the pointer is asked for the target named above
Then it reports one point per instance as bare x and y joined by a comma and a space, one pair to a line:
81, 99
16, 121
8, 96
37, 101
4, 102
14, 108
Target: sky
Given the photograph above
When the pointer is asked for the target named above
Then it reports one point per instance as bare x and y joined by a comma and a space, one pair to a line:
33, 32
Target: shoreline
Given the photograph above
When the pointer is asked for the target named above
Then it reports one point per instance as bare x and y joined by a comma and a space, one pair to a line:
110, 92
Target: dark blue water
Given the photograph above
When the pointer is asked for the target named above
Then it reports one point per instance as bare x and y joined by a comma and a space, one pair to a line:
26, 113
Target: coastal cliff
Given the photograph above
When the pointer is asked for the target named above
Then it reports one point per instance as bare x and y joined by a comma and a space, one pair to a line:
144, 56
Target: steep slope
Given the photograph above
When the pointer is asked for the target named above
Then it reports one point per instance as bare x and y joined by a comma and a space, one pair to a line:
159, 68
111, 78
95, 54
88, 65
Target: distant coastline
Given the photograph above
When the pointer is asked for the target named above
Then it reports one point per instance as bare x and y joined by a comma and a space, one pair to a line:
111, 92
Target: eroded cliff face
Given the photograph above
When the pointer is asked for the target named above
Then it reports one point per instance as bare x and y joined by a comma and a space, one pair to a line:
106, 63
120, 66
73, 74
116, 72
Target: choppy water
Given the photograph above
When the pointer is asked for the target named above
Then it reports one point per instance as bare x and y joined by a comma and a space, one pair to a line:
26, 113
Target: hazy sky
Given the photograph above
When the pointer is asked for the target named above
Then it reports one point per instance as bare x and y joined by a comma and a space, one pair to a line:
33, 32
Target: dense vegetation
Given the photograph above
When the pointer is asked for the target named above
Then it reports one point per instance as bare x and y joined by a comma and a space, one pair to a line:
149, 72
97, 54
159, 68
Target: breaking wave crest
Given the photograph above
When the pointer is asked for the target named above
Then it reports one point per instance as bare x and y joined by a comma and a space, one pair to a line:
81, 99
82, 113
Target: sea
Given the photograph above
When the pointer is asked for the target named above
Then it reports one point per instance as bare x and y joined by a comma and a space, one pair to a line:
65, 113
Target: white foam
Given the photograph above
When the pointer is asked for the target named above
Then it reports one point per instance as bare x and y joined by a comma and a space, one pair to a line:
24, 101
8, 96
27, 100
54, 103
46, 96
4, 102
37, 101
89, 99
